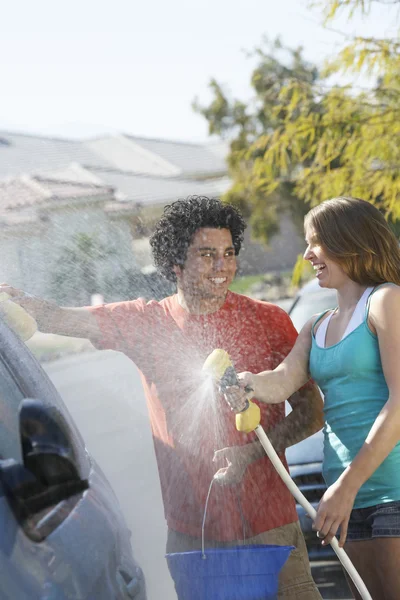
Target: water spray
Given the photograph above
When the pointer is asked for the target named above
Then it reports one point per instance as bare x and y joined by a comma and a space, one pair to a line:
220, 367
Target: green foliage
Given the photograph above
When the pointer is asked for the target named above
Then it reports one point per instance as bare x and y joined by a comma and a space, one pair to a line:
242, 285
280, 73
331, 8
302, 271
301, 140
349, 146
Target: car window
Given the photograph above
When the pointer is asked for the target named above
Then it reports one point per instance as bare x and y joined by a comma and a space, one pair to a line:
309, 450
308, 305
10, 398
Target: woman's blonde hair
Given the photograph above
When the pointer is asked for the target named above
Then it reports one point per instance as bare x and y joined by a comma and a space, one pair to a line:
357, 237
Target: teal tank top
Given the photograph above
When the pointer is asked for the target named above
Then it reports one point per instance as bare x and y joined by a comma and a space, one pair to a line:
351, 378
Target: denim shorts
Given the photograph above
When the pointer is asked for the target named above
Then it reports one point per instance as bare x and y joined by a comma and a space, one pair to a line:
382, 520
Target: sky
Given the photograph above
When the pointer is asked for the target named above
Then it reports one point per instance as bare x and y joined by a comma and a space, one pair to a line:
85, 68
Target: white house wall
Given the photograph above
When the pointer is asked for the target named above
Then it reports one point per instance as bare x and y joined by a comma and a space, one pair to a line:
11, 248
91, 220
29, 258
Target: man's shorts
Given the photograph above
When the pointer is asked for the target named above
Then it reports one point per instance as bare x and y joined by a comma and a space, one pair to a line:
382, 520
295, 579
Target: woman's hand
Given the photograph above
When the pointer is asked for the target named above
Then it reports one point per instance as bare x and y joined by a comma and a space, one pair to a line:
237, 396
333, 512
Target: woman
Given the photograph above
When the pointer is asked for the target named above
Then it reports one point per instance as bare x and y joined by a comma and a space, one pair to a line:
353, 354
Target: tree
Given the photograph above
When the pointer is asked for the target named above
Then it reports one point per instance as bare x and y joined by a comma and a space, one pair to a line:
330, 8
302, 139
79, 272
76, 272
246, 127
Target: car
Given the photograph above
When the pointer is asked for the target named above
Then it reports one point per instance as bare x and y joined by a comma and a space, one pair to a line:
310, 300
63, 532
305, 459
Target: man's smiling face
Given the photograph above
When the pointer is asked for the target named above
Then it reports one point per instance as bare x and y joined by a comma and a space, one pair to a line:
210, 265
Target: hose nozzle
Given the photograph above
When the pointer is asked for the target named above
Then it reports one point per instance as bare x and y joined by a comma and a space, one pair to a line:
220, 367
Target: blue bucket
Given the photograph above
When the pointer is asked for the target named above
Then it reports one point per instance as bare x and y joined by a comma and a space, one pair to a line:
236, 573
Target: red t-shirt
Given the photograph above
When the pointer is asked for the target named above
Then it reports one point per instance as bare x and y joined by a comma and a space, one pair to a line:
169, 346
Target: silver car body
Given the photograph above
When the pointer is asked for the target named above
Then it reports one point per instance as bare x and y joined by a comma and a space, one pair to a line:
79, 548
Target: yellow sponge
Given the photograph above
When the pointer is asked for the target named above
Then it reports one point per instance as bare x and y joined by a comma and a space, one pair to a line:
217, 363
21, 322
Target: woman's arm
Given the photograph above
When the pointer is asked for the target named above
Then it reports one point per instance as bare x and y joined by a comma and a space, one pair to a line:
337, 503
273, 387
276, 386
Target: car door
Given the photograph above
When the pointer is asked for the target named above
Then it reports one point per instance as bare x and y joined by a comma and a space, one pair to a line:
63, 535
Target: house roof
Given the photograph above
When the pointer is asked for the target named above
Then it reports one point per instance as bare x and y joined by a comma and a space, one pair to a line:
147, 190
140, 171
122, 153
72, 189
160, 157
22, 153
27, 190
189, 158
137, 188
72, 173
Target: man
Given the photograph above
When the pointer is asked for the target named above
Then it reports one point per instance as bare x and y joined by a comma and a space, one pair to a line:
195, 244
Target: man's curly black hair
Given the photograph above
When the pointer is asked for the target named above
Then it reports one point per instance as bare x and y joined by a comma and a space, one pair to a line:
181, 219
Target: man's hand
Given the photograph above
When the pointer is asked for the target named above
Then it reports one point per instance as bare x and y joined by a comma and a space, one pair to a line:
236, 459
44, 312
32, 305
51, 318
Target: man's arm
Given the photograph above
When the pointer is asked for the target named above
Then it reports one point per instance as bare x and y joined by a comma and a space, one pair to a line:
305, 419
51, 318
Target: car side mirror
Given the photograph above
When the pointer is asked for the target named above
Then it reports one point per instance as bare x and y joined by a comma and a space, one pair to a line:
47, 450
49, 471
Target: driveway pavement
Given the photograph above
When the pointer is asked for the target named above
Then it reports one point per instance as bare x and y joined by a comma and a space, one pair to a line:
104, 395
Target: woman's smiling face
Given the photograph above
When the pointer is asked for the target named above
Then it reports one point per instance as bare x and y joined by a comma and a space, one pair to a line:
328, 272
